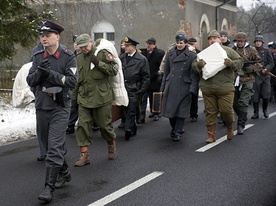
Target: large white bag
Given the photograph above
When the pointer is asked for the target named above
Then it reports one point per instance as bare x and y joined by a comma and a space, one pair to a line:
214, 56
117, 82
21, 93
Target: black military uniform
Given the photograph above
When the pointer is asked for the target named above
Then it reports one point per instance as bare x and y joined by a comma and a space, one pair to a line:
51, 77
137, 78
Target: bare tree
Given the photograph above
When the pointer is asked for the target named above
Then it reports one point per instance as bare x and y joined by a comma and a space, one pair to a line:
260, 19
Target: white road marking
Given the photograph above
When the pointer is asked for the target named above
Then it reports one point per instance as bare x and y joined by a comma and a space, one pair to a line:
115, 195
220, 140
272, 114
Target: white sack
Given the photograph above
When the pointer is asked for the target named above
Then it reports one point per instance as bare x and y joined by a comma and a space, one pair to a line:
117, 82
21, 93
214, 56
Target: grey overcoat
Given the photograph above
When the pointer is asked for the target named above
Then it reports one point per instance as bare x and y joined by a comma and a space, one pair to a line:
179, 81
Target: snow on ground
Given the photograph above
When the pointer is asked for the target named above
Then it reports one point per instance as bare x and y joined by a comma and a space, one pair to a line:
16, 124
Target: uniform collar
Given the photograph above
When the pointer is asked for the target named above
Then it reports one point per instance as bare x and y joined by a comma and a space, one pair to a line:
56, 54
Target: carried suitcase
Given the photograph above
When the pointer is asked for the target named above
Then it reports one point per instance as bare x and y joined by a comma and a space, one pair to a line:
156, 102
118, 112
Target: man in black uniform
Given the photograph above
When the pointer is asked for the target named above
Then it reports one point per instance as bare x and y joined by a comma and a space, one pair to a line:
51, 77
137, 78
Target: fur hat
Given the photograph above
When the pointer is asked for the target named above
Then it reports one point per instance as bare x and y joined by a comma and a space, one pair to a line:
240, 36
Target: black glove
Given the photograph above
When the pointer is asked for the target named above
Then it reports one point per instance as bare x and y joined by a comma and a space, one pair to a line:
94, 60
44, 68
74, 103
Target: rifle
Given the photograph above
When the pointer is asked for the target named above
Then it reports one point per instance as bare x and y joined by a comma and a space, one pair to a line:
260, 61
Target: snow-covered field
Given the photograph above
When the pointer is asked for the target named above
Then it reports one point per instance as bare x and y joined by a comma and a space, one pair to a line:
16, 124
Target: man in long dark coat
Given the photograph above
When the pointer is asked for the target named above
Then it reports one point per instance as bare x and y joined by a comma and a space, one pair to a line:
179, 81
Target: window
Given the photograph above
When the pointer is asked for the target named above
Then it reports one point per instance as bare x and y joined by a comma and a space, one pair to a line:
103, 29
98, 36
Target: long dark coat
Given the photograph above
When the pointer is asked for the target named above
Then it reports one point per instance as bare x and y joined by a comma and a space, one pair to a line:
154, 59
178, 81
136, 75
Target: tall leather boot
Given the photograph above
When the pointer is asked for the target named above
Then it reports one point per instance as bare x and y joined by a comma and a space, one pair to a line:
242, 118
63, 176
211, 133
256, 110
50, 180
230, 130
265, 105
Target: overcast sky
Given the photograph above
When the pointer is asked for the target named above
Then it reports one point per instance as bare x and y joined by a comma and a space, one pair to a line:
247, 3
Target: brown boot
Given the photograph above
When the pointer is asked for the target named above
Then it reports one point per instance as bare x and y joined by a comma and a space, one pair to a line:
111, 149
84, 157
230, 131
211, 133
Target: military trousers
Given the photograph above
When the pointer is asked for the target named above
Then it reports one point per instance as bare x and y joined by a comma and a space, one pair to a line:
262, 88
87, 116
51, 128
242, 96
218, 101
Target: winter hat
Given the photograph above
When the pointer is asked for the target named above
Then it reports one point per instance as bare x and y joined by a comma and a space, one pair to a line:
240, 36
225, 33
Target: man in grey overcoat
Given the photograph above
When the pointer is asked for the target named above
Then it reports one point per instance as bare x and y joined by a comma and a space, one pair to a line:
179, 81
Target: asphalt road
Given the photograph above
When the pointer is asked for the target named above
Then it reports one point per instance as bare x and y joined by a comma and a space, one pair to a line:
151, 169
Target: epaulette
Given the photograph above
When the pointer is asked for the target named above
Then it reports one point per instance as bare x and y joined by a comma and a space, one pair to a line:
38, 52
66, 51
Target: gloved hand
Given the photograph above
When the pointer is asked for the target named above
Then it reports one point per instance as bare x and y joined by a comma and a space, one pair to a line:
74, 103
44, 68
94, 60
228, 62
201, 63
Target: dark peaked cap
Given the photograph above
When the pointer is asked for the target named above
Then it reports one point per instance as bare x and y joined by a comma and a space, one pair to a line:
130, 41
49, 26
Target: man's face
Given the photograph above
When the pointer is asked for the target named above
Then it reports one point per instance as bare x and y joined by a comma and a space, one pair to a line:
223, 38
129, 48
213, 39
258, 43
180, 45
240, 43
150, 47
272, 50
123, 45
49, 39
87, 48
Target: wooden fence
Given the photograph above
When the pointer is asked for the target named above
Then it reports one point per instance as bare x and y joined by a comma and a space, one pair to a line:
6, 81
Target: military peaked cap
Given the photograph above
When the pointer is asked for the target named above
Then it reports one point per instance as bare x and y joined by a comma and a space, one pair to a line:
49, 26
130, 41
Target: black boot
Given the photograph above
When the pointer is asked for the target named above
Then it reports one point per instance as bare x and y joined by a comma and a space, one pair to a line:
265, 105
242, 118
63, 176
51, 177
256, 110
